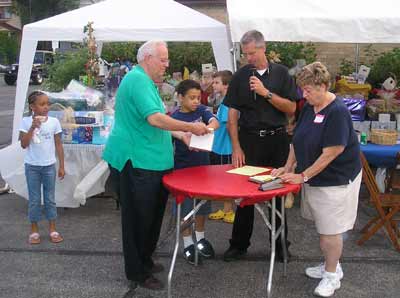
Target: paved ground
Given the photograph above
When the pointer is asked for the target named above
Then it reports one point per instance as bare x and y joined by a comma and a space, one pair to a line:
89, 262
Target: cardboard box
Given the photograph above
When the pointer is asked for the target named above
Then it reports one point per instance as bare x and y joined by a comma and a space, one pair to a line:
207, 68
363, 73
82, 135
384, 117
391, 125
101, 133
98, 115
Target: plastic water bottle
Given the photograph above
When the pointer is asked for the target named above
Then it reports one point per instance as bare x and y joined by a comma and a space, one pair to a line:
36, 136
363, 139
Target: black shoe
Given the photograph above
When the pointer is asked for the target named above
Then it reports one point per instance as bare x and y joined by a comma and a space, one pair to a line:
234, 254
279, 253
156, 268
189, 255
132, 285
152, 283
279, 256
205, 249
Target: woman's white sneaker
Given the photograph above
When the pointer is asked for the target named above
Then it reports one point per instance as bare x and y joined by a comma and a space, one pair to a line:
327, 286
318, 271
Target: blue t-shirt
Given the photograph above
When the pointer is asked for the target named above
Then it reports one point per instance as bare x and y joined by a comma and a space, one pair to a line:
332, 126
222, 142
184, 157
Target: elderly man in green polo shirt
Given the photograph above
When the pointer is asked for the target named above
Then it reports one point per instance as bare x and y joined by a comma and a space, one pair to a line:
139, 152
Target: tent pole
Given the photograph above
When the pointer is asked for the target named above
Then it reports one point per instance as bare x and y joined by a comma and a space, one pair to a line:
357, 56
27, 53
235, 55
233, 52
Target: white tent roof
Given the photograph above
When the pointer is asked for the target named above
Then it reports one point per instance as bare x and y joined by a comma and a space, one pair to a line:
338, 21
121, 20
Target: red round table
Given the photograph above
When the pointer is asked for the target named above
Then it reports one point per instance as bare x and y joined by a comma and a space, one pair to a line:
214, 183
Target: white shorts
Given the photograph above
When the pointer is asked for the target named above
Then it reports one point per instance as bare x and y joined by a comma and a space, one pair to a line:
333, 208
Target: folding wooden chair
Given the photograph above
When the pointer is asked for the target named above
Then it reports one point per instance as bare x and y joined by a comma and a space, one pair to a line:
387, 205
393, 181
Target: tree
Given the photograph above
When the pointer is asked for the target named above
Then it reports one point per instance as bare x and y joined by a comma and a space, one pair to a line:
8, 47
289, 52
34, 10
123, 50
66, 66
181, 54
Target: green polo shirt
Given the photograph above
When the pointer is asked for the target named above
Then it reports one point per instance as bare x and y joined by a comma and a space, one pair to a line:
132, 137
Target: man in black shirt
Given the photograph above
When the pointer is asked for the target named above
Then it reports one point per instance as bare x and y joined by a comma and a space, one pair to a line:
262, 93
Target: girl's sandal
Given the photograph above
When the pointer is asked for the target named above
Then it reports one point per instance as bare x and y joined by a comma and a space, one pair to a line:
55, 237
34, 238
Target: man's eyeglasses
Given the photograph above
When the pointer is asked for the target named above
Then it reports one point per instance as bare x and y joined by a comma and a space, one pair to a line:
162, 60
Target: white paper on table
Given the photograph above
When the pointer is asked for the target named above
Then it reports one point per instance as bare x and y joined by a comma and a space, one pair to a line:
204, 142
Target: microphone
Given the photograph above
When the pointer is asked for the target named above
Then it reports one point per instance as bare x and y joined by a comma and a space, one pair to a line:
253, 70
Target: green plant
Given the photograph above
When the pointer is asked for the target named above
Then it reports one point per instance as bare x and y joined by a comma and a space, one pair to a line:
35, 10
8, 48
385, 65
189, 54
289, 52
113, 50
346, 67
370, 55
181, 54
65, 68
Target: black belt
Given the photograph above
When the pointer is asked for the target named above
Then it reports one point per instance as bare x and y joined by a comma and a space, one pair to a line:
265, 132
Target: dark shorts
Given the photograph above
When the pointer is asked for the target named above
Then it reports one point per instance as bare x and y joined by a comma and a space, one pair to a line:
187, 206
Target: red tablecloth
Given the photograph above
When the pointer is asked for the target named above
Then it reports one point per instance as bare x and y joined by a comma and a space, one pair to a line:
214, 182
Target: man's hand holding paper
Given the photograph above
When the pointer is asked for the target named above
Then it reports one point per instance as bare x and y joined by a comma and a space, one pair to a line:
204, 142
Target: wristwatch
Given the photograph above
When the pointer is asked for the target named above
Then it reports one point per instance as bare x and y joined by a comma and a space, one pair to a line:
269, 95
305, 178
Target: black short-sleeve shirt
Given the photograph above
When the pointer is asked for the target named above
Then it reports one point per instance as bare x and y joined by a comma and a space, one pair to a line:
259, 113
332, 126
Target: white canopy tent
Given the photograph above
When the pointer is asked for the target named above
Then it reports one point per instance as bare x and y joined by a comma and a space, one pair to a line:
120, 20
333, 21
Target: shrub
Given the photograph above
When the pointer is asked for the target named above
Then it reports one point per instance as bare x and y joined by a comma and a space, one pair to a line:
346, 67
189, 54
181, 54
8, 48
289, 52
123, 50
65, 68
384, 66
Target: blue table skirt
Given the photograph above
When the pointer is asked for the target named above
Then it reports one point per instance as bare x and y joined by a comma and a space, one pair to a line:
380, 156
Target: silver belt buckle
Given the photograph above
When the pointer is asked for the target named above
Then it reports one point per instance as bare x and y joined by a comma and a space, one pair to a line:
263, 133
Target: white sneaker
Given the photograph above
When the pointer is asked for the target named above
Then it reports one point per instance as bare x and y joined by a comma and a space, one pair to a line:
327, 286
318, 271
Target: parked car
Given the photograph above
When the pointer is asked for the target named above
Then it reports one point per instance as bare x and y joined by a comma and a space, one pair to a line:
40, 61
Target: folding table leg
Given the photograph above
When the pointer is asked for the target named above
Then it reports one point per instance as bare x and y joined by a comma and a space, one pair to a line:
283, 240
172, 266
272, 259
271, 225
196, 250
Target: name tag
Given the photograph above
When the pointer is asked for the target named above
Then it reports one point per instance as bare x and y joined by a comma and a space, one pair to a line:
319, 118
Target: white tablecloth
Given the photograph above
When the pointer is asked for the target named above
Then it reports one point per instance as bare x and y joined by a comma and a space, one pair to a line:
85, 173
